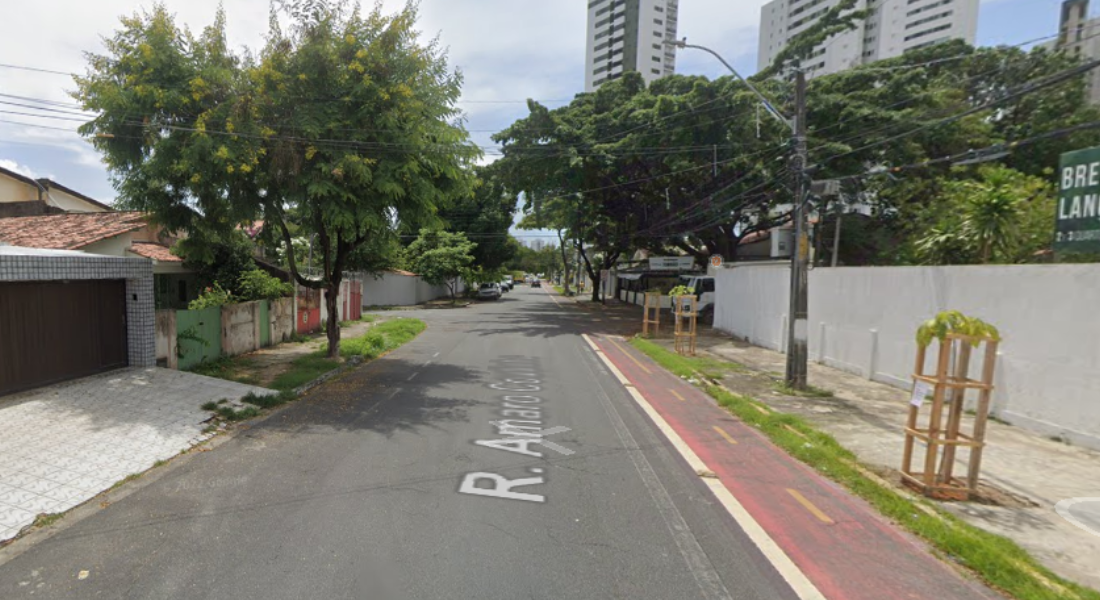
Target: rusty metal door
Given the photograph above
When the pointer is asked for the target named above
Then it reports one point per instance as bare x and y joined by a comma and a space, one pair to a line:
53, 331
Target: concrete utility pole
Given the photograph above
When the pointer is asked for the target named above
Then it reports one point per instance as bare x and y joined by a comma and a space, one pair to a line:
798, 321
798, 318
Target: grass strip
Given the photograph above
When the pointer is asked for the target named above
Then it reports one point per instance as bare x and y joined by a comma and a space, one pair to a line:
997, 560
380, 339
303, 369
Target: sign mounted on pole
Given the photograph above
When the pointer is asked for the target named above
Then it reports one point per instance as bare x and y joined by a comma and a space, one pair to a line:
671, 263
1077, 225
716, 261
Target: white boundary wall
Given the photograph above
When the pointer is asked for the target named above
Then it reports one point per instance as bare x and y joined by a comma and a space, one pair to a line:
863, 320
396, 289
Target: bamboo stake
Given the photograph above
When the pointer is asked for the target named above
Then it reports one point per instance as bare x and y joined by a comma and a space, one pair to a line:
911, 423
988, 366
954, 415
935, 420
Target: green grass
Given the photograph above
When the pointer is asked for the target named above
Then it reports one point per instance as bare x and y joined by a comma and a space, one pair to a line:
269, 400
1000, 562
125, 480
47, 519
303, 370
227, 367
809, 392
685, 366
380, 339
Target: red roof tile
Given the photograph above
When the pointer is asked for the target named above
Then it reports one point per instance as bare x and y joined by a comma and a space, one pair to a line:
155, 251
68, 231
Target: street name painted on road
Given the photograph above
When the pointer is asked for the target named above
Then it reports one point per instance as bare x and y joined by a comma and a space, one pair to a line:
522, 428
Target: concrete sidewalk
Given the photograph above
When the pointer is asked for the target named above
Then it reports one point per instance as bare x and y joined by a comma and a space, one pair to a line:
64, 444
1027, 474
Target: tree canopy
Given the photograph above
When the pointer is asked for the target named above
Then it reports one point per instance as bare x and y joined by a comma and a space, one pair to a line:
344, 126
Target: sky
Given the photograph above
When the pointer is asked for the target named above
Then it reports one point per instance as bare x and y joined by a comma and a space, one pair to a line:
507, 50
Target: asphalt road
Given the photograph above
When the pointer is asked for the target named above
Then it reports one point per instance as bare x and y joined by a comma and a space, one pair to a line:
376, 486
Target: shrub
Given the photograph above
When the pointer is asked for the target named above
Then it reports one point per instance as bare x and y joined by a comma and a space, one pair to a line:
259, 285
210, 297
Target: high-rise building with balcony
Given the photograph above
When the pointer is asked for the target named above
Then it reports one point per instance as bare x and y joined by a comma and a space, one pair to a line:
629, 35
894, 27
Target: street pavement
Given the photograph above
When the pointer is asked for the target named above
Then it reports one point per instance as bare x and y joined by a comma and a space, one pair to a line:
495, 456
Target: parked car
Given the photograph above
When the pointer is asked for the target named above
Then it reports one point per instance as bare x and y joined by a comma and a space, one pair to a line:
703, 288
536, 283
489, 291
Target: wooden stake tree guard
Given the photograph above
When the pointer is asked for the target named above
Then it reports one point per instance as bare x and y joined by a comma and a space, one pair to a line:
652, 302
943, 435
685, 317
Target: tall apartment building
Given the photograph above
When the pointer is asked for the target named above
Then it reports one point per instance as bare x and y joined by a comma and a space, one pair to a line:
1080, 35
894, 27
629, 35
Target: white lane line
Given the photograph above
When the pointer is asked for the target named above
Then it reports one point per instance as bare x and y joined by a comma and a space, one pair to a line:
802, 586
436, 355
706, 577
552, 297
412, 376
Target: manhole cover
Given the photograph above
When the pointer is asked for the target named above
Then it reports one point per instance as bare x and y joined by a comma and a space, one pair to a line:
1082, 512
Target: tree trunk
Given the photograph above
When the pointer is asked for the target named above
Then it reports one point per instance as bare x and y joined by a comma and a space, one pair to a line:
593, 275
332, 327
564, 262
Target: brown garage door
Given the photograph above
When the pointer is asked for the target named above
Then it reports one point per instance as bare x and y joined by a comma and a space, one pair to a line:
53, 331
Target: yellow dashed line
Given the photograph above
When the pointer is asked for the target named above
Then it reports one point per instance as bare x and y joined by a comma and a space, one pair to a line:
631, 356
725, 435
815, 511
674, 393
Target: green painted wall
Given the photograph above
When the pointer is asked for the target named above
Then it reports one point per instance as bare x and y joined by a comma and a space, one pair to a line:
205, 324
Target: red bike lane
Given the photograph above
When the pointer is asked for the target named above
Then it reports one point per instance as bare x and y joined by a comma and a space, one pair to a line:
837, 540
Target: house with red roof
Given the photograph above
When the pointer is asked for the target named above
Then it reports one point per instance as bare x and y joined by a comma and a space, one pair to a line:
43, 214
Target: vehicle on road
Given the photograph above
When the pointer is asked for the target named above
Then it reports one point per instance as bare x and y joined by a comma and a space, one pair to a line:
489, 291
506, 285
536, 283
702, 287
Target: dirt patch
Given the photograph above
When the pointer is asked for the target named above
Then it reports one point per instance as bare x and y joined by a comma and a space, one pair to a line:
263, 366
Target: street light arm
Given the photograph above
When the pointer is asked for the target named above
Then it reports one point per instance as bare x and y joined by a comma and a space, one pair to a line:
763, 100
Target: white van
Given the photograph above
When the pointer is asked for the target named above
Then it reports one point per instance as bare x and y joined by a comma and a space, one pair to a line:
703, 288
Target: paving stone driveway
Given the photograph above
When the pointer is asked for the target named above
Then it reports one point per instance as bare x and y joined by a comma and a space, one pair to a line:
63, 444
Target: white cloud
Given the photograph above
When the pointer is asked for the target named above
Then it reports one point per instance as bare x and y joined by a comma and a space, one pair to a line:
11, 165
506, 49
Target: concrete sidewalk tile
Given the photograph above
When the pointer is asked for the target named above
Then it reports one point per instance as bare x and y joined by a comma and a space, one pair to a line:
16, 518
14, 497
40, 486
17, 479
73, 440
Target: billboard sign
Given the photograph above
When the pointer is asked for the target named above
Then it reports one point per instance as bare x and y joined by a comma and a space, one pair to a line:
671, 263
1077, 225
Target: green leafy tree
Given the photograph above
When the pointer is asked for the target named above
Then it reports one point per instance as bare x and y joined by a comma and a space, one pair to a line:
442, 258
218, 260
340, 127
1001, 216
485, 217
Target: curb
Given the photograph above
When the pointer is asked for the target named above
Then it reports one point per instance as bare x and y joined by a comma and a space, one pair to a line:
352, 362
